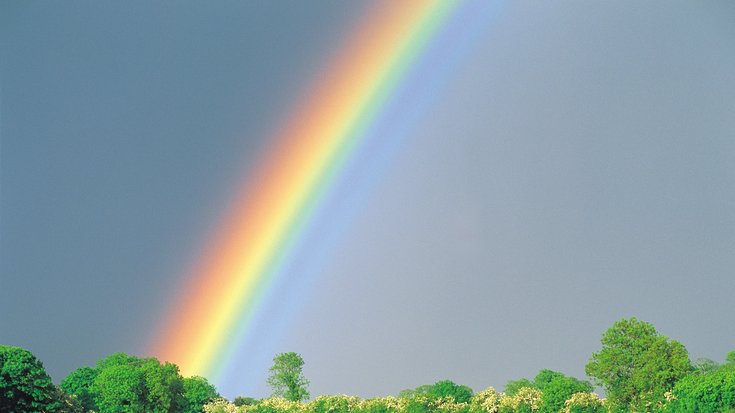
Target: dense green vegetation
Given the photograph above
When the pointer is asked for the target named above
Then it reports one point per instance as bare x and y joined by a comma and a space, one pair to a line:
119, 383
24, 384
640, 370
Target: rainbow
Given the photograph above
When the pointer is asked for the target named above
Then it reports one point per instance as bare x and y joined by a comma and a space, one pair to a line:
288, 186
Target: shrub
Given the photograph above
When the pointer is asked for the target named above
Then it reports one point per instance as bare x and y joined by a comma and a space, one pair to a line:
486, 401
584, 403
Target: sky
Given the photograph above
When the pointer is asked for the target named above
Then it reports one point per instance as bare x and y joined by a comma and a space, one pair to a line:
577, 167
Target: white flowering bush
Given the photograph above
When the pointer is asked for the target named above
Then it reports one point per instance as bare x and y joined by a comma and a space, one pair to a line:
584, 403
507, 404
376, 405
526, 400
529, 399
395, 404
333, 404
275, 405
447, 405
389, 404
486, 401
419, 403
220, 406
645, 402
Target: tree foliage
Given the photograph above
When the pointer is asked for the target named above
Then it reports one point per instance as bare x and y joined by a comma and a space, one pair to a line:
69, 403
127, 384
287, 379
512, 386
164, 387
450, 389
637, 365
705, 392
120, 389
730, 358
556, 388
121, 383
244, 401
79, 383
423, 389
197, 392
24, 384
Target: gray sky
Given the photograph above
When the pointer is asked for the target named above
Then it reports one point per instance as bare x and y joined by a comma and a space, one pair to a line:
578, 167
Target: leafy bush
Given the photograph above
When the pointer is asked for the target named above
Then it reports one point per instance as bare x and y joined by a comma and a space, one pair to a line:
333, 404
220, 406
275, 405
525, 400
486, 401
388, 404
584, 403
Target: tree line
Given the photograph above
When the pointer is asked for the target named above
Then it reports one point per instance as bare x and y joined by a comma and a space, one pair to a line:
640, 370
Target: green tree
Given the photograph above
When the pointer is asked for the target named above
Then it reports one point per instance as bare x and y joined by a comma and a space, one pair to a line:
117, 359
127, 384
546, 376
69, 403
730, 358
198, 392
419, 403
120, 389
79, 383
447, 388
512, 386
24, 384
287, 379
244, 401
637, 365
556, 388
423, 389
164, 386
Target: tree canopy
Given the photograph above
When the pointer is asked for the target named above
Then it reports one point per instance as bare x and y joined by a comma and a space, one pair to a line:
287, 378
79, 383
448, 388
24, 384
121, 383
197, 392
556, 388
637, 365
710, 391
